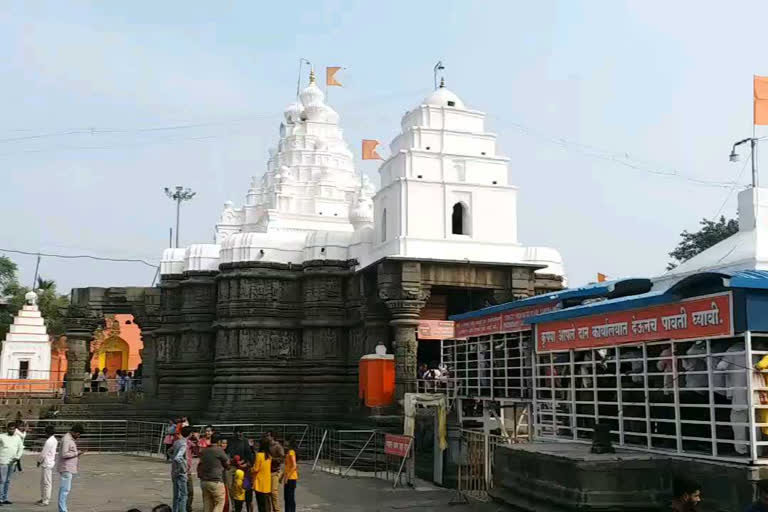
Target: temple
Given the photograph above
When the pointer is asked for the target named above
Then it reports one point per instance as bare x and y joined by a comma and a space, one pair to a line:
26, 351
317, 268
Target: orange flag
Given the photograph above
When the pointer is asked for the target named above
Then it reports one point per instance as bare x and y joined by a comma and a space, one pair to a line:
601, 278
369, 150
330, 76
761, 100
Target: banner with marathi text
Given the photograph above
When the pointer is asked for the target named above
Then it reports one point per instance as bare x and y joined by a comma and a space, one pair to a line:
507, 321
700, 317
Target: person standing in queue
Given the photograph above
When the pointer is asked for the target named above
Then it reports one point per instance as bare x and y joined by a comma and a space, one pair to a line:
261, 476
278, 454
210, 471
69, 462
11, 447
179, 470
290, 476
46, 461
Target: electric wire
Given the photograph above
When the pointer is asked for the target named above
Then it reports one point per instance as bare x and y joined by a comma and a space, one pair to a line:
80, 256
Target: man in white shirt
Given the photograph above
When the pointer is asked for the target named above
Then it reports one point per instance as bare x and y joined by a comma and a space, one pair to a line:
11, 447
47, 460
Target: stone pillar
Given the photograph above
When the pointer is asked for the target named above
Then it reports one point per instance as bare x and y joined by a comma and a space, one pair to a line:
401, 289
149, 365
79, 336
405, 320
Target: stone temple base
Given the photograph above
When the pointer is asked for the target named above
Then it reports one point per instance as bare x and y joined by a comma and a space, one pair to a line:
558, 477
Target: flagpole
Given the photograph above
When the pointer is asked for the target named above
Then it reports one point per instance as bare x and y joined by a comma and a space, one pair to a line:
302, 60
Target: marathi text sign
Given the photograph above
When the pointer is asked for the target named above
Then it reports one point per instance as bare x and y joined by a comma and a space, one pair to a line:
436, 329
508, 321
396, 445
701, 317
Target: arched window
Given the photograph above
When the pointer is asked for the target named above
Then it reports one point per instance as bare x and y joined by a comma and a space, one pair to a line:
384, 225
460, 219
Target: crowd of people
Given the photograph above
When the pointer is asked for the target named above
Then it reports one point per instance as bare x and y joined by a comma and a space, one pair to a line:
63, 456
233, 472
122, 381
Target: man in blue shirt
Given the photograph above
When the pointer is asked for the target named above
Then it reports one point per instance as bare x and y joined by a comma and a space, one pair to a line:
179, 470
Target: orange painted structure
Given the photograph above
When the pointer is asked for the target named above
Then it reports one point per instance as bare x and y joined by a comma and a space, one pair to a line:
377, 379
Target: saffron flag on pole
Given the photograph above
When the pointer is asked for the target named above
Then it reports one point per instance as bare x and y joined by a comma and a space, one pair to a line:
330, 76
369, 150
601, 278
761, 100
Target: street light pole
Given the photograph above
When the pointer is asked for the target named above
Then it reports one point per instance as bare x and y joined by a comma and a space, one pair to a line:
179, 195
734, 157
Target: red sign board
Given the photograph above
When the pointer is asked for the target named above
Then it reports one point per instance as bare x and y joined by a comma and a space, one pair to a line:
700, 317
508, 321
397, 445
435, 329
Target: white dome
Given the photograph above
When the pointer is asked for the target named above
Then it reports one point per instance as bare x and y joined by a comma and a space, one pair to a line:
440, 98
312, 96
30, 298
293, 113
202, 257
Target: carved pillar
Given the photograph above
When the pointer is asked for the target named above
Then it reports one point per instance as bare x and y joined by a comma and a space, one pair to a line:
79, 335
401, 289
405, 320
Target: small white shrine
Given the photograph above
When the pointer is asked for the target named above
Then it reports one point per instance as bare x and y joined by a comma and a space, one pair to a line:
444, 195
26, 351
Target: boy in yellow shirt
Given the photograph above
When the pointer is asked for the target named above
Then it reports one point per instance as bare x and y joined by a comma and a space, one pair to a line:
290, 476
238, 491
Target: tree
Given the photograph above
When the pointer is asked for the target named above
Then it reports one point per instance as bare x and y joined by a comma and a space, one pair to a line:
8, 271
711, 233
52, 305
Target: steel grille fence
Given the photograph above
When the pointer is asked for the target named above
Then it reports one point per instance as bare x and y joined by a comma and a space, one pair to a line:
699, 398
496, 366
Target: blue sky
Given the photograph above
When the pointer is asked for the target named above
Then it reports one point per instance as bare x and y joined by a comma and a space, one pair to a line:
605, 108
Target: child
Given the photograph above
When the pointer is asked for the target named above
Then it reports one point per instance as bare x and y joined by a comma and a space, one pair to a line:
248, 486
168, 440
290, 476
238, 488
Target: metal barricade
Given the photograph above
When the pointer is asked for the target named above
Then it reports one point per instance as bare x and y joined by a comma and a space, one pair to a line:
101, 436
476, 458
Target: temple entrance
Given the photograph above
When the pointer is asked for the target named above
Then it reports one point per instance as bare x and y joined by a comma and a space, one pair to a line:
113, 361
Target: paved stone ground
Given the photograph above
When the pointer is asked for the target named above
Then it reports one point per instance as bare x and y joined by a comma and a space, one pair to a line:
116, 483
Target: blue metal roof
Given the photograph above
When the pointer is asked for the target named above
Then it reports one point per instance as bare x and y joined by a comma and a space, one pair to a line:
751, 279
515, 304
756, 279
589, 291
608, 306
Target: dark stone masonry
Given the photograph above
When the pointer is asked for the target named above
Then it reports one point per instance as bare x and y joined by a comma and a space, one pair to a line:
264, 342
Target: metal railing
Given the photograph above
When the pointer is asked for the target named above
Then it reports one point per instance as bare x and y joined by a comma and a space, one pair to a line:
349, 453
440, 385
476, 462
32, 387
103, 436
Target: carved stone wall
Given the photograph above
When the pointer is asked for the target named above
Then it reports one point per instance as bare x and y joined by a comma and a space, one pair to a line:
277, 342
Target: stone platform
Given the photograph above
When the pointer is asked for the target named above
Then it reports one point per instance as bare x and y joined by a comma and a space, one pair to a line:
558, 477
